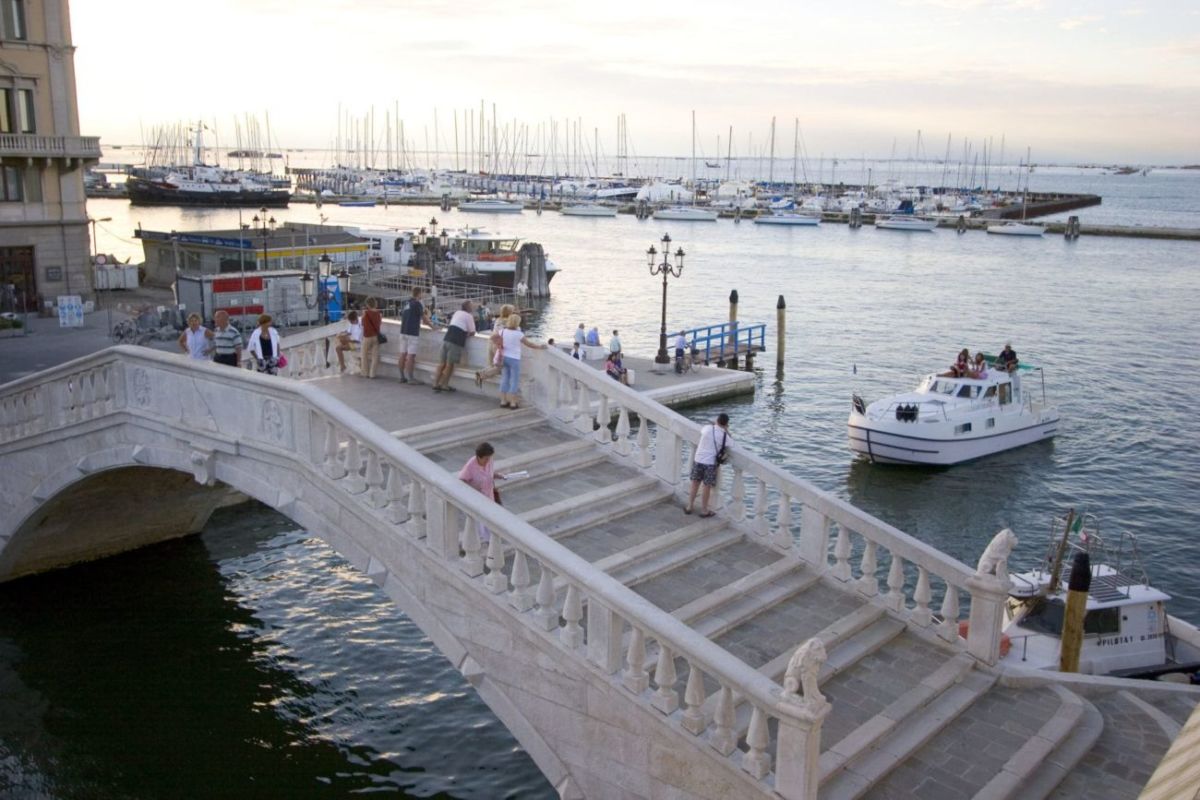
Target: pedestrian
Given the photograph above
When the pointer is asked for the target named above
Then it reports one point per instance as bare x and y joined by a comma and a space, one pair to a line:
264, 345
512, 340
495, 347
680, 347
711, 452
614, 344
580, 335
372, 324
227, 341
194, 339
411, 316
462, 325
479, 473
593, 337
349, 339
576, 353
615, 369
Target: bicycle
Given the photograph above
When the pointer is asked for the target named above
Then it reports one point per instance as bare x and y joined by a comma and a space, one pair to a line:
125, 332
687, 362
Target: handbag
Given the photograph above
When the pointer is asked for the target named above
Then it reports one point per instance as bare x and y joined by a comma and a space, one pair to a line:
381, 337
496, 496
281, 361
722, 453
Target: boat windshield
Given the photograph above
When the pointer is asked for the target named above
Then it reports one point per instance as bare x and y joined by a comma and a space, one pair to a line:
1046, 616
943, 387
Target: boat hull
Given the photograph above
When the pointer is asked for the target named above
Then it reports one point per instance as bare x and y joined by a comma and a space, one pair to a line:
148, 193
890, 442
1016, 229
686, 215
588, 211
491, 208
788, 219
915, 225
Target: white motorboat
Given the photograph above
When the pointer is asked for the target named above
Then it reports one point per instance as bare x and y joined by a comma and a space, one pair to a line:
1126, 629
686, 214
950, 420
491, 206
788, 218
588, 210
1014, 228
491, 257
904, 222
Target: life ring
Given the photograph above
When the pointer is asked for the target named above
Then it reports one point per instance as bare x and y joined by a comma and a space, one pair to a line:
1005, 641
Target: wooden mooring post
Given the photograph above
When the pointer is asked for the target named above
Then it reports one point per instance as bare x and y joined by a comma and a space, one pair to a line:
732, 362
780, 331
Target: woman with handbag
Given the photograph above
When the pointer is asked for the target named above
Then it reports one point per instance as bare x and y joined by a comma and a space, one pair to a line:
264, 346
495, 350
479, 473
711, 452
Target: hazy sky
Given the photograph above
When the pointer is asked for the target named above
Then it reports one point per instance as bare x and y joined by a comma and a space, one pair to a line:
1076, 81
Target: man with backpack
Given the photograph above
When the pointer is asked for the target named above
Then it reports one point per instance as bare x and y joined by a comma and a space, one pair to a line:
411, 317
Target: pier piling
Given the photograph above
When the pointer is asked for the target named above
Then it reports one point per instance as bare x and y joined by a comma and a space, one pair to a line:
1077, 596
732, 362
780, 331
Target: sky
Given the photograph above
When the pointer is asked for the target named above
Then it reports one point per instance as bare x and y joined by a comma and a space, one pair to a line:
1076, 82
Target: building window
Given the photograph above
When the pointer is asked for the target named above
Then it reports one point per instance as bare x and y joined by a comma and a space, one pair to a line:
12, 185
12, 19
16, 111
18, 289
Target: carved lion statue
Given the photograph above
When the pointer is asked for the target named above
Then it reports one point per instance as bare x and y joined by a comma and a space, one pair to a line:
994, 560
803, 669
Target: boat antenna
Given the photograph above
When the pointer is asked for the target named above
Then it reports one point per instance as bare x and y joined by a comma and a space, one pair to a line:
1056, 569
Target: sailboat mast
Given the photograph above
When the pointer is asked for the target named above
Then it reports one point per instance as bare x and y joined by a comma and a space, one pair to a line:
771, 163
795, 158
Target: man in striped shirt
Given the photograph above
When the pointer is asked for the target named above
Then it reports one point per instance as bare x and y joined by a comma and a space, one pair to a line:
227, 341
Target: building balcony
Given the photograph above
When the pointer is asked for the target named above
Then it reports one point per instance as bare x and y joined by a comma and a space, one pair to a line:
72, 149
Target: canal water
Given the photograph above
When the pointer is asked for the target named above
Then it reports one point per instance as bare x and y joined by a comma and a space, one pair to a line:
252, 661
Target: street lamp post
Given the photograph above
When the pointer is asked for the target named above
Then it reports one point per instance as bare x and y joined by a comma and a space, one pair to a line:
264, 226
93, 222
665, 268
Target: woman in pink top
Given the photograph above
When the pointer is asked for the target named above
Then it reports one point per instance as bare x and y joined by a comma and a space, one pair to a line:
479, 474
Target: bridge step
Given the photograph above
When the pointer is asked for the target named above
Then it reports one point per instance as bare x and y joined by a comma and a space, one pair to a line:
454, 423
481, 430
739, 610
847, 640
611, 494
589, 518
684, 553
631, 556
871, 765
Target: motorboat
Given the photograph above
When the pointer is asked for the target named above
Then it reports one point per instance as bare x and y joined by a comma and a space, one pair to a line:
491, 206
1126, 629
588, 210
486, 257
686, 214
904, 222
948, 420
788, 218
1014, 228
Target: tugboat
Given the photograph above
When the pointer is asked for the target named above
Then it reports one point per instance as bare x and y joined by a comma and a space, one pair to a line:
948, 420
1126, 630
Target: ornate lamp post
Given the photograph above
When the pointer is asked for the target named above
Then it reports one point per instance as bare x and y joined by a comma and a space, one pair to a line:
324, 263
665, 268
264, 226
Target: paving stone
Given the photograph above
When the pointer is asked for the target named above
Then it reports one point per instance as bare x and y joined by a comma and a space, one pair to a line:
706, 574
621, 533
1123, 758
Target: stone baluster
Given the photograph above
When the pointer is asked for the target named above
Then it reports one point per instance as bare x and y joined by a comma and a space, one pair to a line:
354, 483
547, 611
868, 583
758, 761
814, 538
88, 393
472, 560
722, 737
623, 428
783, 527
603, 435
71, 399
894, 599
841, 555
759, 523
565, 399
798, 750
921, 613
396, 510
521, 596
737, 494
333, 468
496, 581
583, 411
668, 456
106, 389
571, 634
666, 698
693, 699
378, 496
604, 629
948, 627
634, 678
416, 510
645, 457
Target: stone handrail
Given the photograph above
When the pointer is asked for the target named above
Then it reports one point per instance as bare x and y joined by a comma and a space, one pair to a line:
38, 144
362, 464
763, 495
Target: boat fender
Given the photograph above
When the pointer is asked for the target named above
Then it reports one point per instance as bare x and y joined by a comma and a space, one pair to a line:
856, 401
1005, 640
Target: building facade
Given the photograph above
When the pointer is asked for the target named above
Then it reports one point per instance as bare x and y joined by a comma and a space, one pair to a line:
44, 243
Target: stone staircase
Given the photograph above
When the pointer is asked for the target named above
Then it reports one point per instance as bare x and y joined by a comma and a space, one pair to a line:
911, 715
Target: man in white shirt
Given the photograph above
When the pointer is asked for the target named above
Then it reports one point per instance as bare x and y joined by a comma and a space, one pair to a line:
580, 335
680, 349
614, 344
194, 340
710, 450
462, 325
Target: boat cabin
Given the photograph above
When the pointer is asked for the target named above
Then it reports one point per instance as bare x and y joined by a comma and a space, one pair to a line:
478, 245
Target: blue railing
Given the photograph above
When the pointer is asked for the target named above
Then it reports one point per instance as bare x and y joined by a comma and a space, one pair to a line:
726, 340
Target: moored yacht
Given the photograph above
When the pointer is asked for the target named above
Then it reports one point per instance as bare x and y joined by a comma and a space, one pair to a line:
1014, 228
904, 222
588, 210
491, 206
948, 420
686, 214
788, 218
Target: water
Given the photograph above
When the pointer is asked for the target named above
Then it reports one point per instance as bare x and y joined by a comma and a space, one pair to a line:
254, 654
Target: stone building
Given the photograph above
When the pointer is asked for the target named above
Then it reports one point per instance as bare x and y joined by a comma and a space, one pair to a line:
44, 243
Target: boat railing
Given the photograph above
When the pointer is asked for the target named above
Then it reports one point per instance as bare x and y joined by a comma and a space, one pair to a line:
895, 406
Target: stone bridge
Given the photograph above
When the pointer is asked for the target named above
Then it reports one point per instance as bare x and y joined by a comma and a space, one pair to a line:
633, 651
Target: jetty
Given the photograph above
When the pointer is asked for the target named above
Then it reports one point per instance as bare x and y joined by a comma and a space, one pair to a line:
790, 646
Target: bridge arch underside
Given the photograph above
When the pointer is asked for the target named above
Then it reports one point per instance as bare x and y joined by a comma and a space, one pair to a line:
129, 484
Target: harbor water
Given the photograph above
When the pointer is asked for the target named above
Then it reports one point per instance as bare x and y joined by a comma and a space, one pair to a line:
251, 661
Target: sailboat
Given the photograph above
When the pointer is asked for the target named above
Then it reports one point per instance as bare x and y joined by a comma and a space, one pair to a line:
690, 213
791, 217
1011, 227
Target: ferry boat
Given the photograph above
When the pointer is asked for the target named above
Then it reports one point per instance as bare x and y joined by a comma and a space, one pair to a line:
588, 210
1127, 631
948, 420
686, 214
203, 185
491, 206
488, 257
